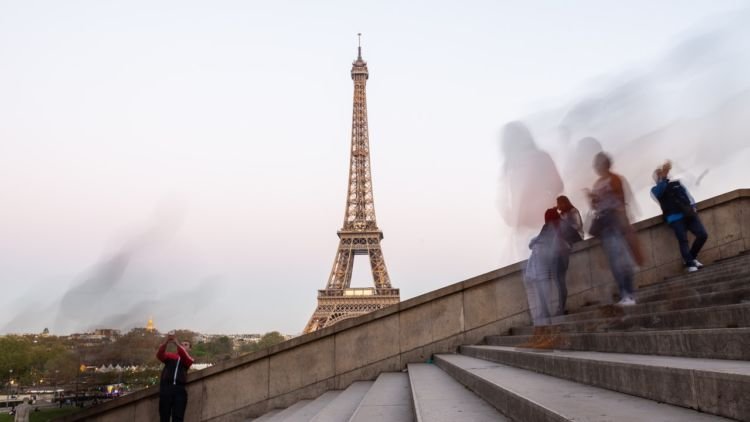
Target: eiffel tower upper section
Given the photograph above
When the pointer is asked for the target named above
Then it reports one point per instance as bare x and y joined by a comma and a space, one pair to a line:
360, 206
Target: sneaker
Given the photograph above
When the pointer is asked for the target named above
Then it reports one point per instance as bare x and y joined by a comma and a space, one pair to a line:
628, 301
692, 268
697, 264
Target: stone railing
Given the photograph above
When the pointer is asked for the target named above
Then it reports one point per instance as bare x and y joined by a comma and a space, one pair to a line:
386, 340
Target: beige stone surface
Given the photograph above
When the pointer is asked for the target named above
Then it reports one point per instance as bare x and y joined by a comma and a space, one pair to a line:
148, 410
480, 305
744, 215
647, 249
647, 277
579, 273
415, 327
732, 248
510, 296
666, 248
417, 355
372, 342
709, 255
309, 391
235, 389
368, 372
303, 365
125, 414
728, 228
709, 222
447, 317
448, 345
476, 335
669, 269
599, 267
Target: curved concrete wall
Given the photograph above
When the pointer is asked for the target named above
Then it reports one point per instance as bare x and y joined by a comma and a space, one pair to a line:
436, 322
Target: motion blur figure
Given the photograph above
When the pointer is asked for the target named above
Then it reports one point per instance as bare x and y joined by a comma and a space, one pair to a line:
571, 231
577, 171
612, 226
679, 211
23, 411
529, 184
541, 273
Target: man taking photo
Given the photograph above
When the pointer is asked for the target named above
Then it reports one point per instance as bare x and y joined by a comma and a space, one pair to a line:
172, 392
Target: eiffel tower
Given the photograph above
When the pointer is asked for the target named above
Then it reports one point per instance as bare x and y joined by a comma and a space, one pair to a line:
360, 234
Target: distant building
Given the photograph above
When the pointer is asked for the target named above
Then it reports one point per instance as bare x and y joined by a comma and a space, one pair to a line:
150, 325
110, 333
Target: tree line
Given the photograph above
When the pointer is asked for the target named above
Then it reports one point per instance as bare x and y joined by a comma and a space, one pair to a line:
46, 361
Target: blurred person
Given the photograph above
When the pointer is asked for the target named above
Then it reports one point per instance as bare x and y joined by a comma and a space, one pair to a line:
611, 225
679, 211
529, 183
577, 171
542, 269
23, 411
571, 231
172, 391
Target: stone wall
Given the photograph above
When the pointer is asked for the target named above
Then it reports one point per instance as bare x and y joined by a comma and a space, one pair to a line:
386, 340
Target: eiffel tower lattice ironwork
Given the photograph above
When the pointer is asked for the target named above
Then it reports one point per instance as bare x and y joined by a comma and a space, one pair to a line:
360, 234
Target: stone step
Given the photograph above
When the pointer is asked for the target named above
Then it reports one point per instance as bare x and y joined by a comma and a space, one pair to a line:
689, 290
701, 279
722, 343
739, 265
727, 316
724, 297
440, 398
314, 407
289, 411
387, 400
341, 408
266, 417
714, 386
679, 287
525, 396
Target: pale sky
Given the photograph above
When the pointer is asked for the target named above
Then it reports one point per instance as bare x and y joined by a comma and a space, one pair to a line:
210, 140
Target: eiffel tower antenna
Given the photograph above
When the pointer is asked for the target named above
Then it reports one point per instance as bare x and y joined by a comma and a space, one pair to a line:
359, 46
359, 234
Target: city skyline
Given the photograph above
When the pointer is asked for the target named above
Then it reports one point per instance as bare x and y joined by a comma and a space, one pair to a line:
189, 162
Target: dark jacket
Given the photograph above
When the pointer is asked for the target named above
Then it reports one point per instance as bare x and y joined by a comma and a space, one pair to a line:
674, 199
176, 366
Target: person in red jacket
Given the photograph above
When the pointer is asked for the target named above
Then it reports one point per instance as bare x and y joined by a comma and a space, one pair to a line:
172, 392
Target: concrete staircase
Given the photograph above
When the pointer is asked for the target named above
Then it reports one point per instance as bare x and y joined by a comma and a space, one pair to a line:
681, 354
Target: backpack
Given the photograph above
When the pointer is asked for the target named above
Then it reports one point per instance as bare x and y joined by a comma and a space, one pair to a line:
677, 200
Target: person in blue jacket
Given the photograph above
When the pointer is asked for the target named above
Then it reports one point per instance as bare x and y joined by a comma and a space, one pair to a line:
678, 208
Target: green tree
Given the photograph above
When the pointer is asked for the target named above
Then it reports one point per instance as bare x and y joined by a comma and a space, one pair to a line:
270, 339
219, 348
15, 358
267, 340
61, 366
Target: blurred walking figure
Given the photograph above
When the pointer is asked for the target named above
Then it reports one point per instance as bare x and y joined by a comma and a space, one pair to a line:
577, 171
678, 208
611, 225
23, 411
571, 231
542, 268
529, 184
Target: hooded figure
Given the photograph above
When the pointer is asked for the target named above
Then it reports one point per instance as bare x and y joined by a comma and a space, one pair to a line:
540, 276
529, 184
